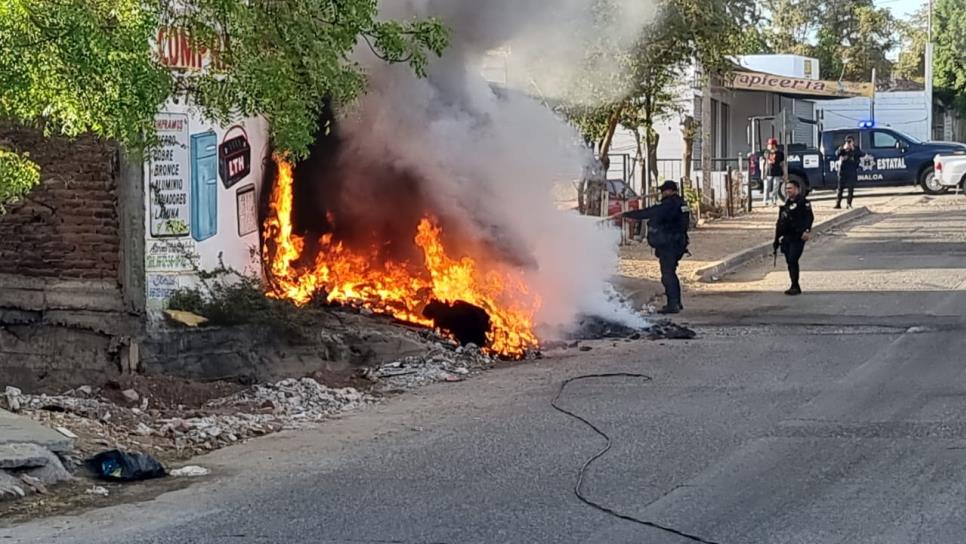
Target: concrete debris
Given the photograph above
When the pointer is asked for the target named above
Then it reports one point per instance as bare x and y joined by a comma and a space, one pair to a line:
190, 471
34, 484
13, 395
143, 430
66, 432
131, 395
51, 473
446, 362
10, 487
22, 456
98, 491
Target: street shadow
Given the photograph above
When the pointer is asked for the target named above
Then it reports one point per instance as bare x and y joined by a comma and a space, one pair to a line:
934, 310
912, 241
830, 194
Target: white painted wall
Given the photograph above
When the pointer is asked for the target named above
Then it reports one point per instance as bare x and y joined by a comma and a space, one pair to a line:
901, 110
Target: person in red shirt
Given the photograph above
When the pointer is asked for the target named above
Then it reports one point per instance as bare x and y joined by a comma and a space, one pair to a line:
774, 172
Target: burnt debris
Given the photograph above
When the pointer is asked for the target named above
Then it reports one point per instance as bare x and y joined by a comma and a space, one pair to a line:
598, 328
468, 323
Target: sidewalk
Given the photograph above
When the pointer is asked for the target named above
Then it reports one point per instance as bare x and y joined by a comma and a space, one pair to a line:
715, 241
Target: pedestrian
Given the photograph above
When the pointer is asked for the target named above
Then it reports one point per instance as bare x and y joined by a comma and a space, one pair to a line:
775, 172
793, 230
848, 156
667, 233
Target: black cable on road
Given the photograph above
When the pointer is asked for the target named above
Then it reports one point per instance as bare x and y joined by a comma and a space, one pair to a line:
583, 470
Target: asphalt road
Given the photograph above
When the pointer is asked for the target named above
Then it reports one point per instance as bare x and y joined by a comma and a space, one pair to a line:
836, 417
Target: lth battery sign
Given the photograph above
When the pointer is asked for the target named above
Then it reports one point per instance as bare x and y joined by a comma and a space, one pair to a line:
234, 156
168, 174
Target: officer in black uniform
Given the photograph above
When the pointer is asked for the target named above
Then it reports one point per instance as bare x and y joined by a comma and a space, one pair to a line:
849, 156
667, 233
794, 228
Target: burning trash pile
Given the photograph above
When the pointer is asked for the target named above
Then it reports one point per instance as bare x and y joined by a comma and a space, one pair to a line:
429, 200
489, 308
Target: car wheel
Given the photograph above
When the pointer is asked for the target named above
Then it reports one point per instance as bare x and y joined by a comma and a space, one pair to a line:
930, 183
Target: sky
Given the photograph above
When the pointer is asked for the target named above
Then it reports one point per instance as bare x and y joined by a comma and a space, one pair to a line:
901, 8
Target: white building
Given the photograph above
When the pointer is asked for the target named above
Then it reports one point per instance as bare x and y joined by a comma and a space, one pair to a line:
764, 86
731, 110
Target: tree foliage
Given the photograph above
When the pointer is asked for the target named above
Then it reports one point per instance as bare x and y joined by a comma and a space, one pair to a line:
849, 39
709, 32
913, 34
79, 66
949, 41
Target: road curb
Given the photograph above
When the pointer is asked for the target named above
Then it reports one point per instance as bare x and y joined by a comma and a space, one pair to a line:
720, 269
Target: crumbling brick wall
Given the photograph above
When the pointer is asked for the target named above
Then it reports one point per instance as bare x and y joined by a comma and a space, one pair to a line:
63, 317
67, 228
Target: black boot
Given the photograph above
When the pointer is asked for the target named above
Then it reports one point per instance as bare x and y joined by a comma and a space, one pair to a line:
672, 307
795, 290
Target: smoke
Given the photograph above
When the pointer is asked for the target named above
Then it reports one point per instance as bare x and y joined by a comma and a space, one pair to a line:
487, 162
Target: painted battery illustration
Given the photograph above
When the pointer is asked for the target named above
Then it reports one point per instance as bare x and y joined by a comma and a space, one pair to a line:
204, 185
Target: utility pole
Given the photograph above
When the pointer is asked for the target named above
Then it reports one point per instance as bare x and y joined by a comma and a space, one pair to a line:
707, 144
872, 100
928, 74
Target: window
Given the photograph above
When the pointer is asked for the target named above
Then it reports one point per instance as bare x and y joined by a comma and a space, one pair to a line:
839, 138
884, 140
725, 132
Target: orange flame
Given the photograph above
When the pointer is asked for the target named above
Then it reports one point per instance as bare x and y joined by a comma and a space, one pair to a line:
401, 290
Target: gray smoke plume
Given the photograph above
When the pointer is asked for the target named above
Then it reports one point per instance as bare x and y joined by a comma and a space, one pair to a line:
489, 162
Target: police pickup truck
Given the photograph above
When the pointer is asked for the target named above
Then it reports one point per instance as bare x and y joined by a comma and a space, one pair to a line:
891, 158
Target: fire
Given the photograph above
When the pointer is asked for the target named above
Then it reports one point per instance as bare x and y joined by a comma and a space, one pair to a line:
398, 289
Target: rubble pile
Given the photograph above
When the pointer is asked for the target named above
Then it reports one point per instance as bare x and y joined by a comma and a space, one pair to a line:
137, 420
296, 399
446, 361
260, 410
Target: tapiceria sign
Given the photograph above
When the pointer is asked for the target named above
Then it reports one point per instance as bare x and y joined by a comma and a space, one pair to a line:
757, 81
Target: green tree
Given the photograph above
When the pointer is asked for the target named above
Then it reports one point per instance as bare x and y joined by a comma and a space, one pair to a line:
849, 39
949, 42
709, 32
88, 66
911, 63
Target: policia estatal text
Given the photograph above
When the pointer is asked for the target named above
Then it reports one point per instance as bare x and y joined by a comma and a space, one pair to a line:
667, 233
793, 230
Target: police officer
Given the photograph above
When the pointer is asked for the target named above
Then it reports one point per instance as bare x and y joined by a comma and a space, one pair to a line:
848, 156
667, 233
794, 228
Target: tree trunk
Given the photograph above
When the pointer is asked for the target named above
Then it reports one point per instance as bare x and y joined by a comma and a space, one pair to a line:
688, 129
653, 139
641, 160
611, 129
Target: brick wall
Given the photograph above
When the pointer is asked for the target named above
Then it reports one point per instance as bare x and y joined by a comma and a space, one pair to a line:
68, 226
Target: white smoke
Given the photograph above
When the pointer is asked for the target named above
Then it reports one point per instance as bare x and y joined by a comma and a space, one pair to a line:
496, 160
